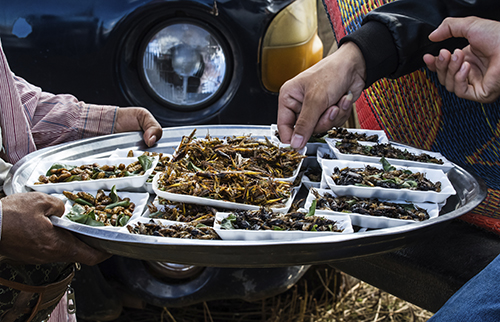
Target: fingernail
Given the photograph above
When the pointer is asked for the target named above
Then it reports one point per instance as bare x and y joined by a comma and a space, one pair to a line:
333, 114
296, 141
441, 58
462, 68
348, 101
152, 140
454, 57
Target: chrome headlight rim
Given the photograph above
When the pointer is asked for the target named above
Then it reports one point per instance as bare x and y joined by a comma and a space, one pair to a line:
222, 42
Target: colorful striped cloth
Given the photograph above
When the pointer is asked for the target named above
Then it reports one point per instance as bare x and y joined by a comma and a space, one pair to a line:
465, 132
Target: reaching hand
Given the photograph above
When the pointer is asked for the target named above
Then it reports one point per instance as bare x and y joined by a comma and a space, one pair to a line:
321, 97
28, 235
474, 72
137, 119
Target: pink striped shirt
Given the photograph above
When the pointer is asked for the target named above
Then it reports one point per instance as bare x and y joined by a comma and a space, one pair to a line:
31, 119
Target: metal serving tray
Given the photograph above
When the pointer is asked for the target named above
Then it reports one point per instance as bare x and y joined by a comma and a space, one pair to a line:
224, 253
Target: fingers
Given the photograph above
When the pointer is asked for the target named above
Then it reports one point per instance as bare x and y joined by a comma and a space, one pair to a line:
136, 119
290, 106
451, 27
462, 87
75, 250
28, 235
151, 127
456, 60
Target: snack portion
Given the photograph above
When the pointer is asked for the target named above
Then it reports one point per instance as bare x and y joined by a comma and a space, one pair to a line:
100, 209
389, 177
370, 207
242, 187
160, 228
386, 150
60, 172
237, 153
342, 133
265, 219
182, 212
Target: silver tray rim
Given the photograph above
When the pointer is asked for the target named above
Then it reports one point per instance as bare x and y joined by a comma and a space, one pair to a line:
231, 253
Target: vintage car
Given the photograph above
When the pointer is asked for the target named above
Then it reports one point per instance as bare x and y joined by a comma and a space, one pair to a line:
189, 62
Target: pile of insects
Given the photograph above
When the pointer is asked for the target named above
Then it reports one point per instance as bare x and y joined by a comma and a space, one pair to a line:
101, 209
341, 133
266, 219
238, 169
387, 177
59, 172
183, 212
181, 230
369, 206
384, 150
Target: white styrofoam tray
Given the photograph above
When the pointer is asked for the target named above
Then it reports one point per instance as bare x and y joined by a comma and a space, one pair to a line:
374, 222
388, 193
122, 183
446, 166
382, 137
123, 153
140, 200
343, 221
217, 203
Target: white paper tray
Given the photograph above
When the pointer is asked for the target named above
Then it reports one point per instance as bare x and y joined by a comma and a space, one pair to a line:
446, 166
216, 203
140, 200
145, 220
122, 153
322, 154
374, 222
388, 193
89, 185
344, 222
382, 137
280, 145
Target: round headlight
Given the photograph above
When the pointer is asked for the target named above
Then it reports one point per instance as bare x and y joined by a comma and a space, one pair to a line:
184, 65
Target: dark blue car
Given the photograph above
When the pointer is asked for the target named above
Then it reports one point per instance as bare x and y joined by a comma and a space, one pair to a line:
188, 62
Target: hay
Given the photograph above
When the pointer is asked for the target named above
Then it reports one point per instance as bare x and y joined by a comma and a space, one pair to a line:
322, 295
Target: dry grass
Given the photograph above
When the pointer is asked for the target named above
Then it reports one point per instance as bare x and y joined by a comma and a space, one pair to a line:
323, 294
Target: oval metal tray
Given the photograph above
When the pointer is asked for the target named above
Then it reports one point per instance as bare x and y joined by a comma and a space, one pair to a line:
224, 253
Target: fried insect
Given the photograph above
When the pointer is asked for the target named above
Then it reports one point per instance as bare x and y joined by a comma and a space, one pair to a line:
101, 210
384, 150
341, 133
370, 206
163, 159
235, 186
237, 153
184, 212
374, 177
186, 230
265, 219
67, 173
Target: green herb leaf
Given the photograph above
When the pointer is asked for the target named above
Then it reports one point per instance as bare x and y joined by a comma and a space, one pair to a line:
312, 208
83, 202
123, 220
113, 195
386, 165
146, 162
123, 203
227, 223
56, 166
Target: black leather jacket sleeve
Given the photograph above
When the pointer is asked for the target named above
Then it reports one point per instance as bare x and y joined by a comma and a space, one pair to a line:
394, 37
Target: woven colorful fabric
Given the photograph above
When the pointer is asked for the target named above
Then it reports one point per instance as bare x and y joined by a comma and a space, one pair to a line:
417, 110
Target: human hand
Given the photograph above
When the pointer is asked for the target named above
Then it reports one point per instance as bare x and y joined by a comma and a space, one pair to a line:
137, 119
28, 235
321, 97
474, 72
